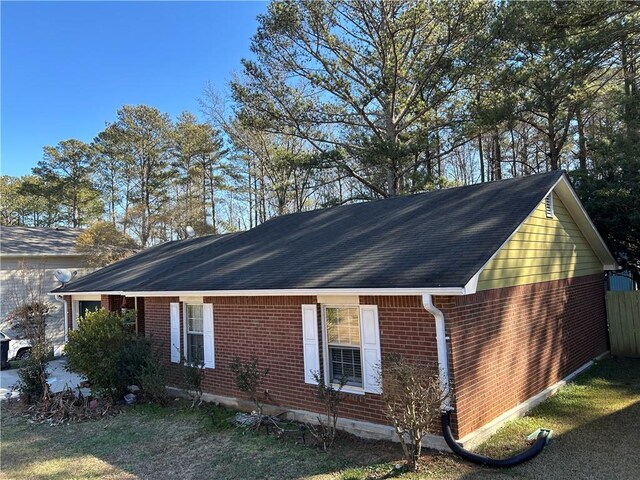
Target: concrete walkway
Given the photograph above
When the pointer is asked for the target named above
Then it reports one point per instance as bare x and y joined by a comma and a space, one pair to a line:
58, 379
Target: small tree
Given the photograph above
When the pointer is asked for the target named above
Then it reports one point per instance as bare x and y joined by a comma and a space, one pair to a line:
412, 395
249, 379
29, 319
325, 431
103, 244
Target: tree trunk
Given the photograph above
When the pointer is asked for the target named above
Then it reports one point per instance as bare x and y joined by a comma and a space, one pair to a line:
497, 156
481, 155
582, 141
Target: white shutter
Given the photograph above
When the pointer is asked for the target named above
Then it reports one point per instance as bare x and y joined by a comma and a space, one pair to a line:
370, 336
175, 332
310, 342
207, 328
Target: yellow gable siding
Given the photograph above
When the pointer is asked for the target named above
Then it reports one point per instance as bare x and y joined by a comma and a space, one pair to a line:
543, 249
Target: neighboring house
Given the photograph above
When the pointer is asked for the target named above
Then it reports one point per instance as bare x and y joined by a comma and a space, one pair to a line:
29, 257
501, 284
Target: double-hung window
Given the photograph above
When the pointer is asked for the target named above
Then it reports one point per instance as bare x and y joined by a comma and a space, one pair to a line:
195, 334
344, 357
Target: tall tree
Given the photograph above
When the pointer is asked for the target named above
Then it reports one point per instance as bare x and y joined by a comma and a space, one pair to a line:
561, 56
199, 151
142, 137
65, 176
357, 79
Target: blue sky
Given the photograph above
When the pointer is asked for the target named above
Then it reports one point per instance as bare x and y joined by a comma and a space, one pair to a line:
68, 66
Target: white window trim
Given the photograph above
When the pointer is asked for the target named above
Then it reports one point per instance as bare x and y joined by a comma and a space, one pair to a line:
193, 301
325, 349
75, 306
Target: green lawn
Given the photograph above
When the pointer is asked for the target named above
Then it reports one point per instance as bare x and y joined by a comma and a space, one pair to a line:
595, 422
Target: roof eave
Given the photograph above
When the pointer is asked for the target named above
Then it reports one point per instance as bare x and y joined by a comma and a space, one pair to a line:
278, 292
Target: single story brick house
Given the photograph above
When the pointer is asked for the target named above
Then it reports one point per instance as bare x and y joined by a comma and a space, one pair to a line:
502, 284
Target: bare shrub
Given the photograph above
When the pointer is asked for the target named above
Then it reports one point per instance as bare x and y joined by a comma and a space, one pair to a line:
249, 379
412, 395
192, 377
31, 310
330, 396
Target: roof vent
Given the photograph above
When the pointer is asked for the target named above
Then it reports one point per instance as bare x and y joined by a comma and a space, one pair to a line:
548, 205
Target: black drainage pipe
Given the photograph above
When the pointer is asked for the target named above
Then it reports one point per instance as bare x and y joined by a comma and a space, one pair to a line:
521, 457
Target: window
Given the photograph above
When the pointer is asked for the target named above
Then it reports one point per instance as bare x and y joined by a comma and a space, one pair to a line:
88, 305
195, 334
343, 345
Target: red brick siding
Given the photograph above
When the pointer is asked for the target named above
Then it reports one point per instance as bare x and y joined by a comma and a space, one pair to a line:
510, 344
270, 328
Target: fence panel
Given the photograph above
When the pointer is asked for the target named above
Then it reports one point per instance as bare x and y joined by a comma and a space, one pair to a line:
623, 312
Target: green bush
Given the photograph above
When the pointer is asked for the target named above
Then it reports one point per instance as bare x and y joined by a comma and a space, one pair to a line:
32, 379
151, 379
32, 375
103, 349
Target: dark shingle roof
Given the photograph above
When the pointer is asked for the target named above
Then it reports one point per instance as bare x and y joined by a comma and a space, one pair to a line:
38, 241
428, 240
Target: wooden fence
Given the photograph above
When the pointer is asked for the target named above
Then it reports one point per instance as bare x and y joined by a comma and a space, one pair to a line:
623, 312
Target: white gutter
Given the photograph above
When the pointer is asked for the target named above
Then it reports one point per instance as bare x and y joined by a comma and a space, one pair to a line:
280, 292
60, 299
441, 342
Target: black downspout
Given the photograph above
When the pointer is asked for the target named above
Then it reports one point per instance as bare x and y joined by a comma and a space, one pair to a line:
521, 457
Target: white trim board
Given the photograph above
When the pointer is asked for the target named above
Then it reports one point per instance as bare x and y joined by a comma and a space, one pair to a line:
479, 435
281, 292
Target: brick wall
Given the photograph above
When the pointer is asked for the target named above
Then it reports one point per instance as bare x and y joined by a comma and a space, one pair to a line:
270, 328
506, 345
509, 344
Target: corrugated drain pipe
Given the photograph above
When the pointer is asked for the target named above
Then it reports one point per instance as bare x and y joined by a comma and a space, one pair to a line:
443, 364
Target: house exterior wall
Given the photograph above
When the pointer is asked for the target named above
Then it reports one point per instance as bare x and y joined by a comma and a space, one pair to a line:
506, 345
543, 249
509, 344
41, 277
270, 329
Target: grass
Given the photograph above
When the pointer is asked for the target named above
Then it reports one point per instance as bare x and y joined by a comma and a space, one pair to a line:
595, 422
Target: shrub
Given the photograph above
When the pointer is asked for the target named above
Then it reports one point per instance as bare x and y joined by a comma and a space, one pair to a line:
192, 377
32, 379
150, 378
325, 431
111, 357
412, 398
30, 319
249, 379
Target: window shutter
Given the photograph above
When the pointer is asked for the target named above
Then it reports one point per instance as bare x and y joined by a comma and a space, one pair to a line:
207, 329
175, 332
310, 342
370, 334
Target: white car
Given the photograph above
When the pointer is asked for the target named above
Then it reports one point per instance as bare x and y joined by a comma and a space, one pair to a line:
19, 349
